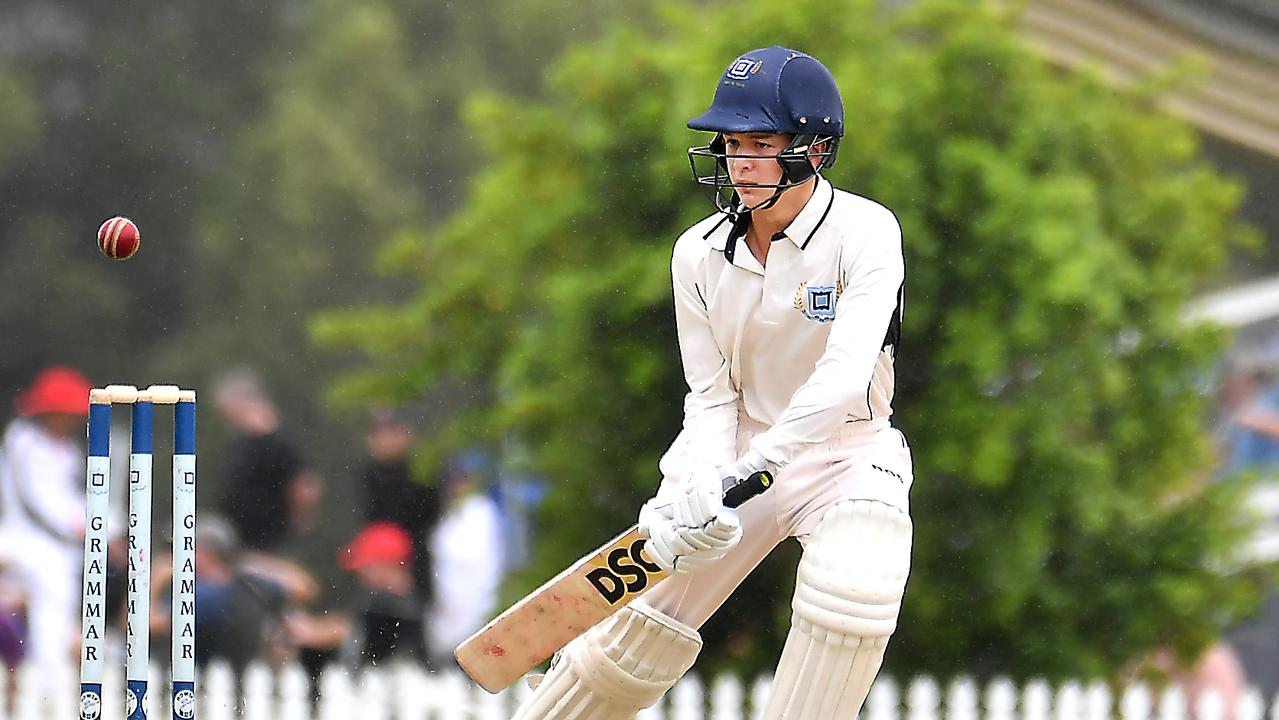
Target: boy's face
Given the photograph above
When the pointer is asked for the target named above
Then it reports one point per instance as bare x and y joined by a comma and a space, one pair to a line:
759, 167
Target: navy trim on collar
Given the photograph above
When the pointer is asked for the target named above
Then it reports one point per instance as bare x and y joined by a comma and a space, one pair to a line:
800, 225
741, 223
820, 220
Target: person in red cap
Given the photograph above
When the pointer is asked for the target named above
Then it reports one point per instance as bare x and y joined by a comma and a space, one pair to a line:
389, 612
42, 469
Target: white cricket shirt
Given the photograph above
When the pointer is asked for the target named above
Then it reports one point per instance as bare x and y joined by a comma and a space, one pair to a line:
802, 345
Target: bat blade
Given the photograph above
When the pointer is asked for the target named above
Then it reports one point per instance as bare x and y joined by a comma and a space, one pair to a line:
573, 602
568, 605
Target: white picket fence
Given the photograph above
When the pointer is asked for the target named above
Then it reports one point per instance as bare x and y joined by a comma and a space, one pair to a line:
408, 693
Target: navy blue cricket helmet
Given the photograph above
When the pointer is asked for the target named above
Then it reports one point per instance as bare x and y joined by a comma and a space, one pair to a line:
775, 90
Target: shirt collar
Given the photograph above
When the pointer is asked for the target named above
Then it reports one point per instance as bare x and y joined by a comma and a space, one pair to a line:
805, 225
800, 231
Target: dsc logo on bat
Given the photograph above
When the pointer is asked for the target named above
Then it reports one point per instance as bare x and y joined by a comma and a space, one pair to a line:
627, 570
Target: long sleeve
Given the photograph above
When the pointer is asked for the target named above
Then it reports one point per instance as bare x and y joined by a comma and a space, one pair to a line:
44, 474
872, 280
710, 407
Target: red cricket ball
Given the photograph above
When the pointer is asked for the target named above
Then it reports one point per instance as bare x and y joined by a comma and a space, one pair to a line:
118, 238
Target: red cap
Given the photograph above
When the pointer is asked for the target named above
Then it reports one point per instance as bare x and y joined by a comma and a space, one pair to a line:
379, 543
56, 390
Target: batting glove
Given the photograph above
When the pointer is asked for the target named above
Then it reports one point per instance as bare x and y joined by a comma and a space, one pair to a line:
750, 463
703, 498
680, 549
680, 538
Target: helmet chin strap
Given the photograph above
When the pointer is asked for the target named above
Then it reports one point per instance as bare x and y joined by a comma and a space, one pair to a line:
770, 202
740, 208
777, 195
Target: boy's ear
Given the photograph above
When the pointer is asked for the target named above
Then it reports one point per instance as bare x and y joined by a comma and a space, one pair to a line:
818, 147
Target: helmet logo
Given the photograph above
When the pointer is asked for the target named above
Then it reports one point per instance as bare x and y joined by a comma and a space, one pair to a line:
743, 68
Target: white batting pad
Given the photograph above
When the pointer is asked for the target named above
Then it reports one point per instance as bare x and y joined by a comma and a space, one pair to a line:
619, 667
847, 596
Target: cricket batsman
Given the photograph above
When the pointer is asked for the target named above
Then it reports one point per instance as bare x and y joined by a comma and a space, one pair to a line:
788, 303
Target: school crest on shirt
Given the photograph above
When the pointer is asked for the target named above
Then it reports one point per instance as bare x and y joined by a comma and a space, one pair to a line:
817, 302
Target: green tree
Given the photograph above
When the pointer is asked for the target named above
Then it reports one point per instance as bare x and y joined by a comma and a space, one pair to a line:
358, 137
263, 148
1053, 229
19, 118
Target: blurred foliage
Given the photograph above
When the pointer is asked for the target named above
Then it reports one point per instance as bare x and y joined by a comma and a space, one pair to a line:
112, 110
118, 110
1053, 227
263, 148
19, 118
359, 137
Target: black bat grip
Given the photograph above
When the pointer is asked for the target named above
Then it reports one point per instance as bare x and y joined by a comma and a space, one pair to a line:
738, 493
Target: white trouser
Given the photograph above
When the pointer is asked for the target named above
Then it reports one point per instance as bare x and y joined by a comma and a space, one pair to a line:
49, 574
845, 499
861, 461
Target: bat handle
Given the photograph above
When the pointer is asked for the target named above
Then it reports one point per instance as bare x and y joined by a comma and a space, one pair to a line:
738, 493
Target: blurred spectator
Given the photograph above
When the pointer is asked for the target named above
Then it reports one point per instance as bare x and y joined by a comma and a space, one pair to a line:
518, 494
1247, 436
1248, 433
389, 612
42, 504
236, 614
1248, 439
394, 497
1217, 671
241, 599
13, 628
1256, 644
467, 549
270, 494
13, 621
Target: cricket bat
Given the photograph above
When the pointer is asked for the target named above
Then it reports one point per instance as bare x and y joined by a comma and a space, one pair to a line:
572, 602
